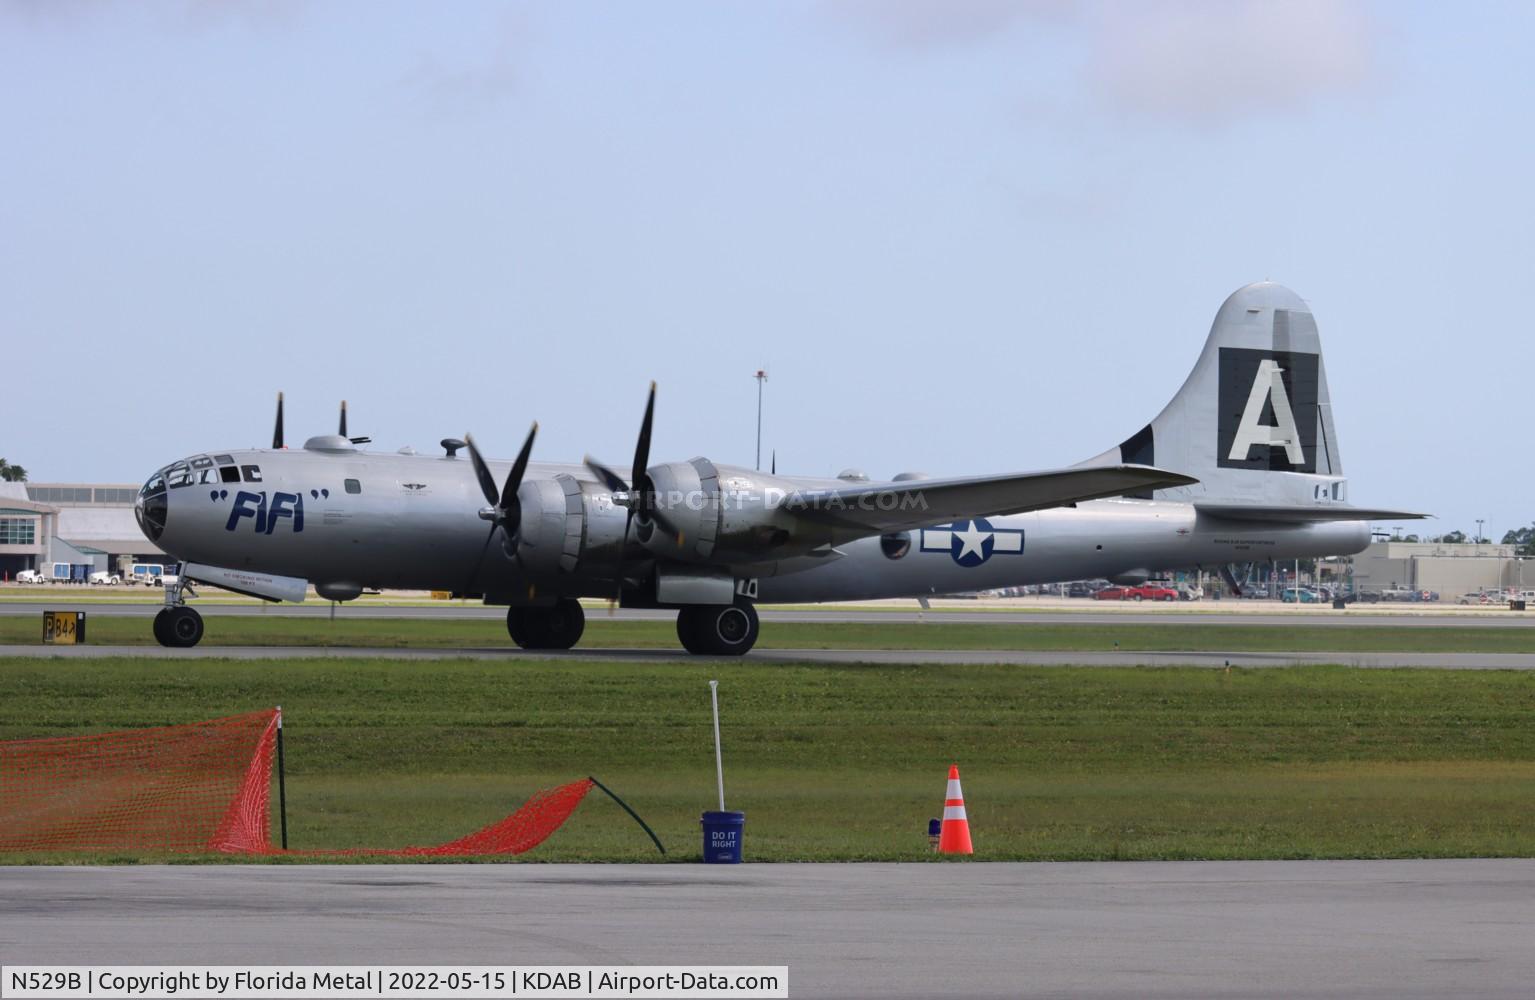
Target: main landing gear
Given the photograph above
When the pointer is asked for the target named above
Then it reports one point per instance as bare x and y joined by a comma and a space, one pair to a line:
556, 627
718, 630
177, 625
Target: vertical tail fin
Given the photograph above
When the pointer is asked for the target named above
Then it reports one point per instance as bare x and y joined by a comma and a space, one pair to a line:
1254, 420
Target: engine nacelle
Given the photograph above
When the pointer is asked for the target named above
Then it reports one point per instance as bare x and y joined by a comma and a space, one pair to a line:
725, 515
567, 525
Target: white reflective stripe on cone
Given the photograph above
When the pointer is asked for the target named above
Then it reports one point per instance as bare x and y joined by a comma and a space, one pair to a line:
954, 792
953, 812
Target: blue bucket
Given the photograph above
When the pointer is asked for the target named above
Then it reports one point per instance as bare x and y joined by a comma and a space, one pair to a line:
722, 837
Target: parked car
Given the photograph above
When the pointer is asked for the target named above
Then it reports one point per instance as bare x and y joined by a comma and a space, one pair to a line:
101, 578
1482, 597
1191, 593
1302, 595
1112, 594
30, 576
1153, 592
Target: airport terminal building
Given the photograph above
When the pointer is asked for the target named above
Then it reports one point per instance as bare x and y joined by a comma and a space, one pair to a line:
68, 531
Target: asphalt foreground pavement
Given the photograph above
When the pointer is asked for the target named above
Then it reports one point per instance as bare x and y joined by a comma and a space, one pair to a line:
1122, 929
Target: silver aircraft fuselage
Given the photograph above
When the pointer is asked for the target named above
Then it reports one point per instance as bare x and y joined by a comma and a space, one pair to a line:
351, 519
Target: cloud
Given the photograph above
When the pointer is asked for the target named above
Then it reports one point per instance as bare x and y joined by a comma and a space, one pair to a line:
458, 83
1212, 62
921, 24
192, 15
1193, 61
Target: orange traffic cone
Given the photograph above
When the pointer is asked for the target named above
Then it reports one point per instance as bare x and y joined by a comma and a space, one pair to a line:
954, 838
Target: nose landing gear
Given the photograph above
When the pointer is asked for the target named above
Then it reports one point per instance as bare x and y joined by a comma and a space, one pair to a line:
176, 625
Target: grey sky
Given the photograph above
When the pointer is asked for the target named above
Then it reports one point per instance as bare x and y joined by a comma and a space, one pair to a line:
964, 237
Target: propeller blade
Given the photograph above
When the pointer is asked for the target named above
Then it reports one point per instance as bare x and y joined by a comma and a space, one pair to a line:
277, 431
474, 571
609, 478
514, 478
342, 431
482, 472
642, 447
618, 584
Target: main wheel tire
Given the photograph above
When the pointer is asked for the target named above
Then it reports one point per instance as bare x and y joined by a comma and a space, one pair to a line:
517, 625
557, 627
162, 636
183, 627
718, 630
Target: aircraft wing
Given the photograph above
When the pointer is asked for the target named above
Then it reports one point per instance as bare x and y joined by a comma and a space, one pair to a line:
877, 508
1296, 514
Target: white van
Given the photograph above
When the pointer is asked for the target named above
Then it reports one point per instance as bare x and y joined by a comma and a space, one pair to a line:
149, 574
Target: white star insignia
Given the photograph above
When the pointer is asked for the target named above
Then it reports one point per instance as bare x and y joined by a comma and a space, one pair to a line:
970, 540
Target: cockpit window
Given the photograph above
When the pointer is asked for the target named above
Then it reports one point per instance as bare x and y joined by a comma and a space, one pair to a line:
224, 459
154, 487
229, 474
202, 462
208, 476
179, 478
252, 473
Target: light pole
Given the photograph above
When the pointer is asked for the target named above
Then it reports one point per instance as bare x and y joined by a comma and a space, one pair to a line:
761, 377
1479, 522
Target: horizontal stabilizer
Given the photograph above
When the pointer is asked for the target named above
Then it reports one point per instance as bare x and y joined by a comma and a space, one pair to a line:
242, 581
1296, 514
903, 505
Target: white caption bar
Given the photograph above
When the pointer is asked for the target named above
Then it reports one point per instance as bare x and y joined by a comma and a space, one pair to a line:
344, 982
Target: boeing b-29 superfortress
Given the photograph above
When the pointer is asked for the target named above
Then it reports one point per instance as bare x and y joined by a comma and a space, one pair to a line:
1242, 465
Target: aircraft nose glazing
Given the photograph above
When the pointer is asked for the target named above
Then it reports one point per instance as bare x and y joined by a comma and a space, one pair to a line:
150, 507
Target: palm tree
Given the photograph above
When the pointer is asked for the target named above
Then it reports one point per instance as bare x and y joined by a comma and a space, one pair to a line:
12, 473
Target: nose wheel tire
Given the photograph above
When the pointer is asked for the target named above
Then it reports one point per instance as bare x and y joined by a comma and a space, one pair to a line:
178, 628
718, 630
557, 627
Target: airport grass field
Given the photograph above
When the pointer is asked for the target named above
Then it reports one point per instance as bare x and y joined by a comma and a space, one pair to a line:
936, 634
847, 762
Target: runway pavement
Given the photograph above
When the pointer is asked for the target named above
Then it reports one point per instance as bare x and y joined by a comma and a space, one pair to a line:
834, 614
511, 654
1129, 929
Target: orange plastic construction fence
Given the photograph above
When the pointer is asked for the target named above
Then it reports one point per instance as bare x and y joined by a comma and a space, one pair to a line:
204, 787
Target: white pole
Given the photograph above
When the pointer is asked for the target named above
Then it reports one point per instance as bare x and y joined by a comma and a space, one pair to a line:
719, 763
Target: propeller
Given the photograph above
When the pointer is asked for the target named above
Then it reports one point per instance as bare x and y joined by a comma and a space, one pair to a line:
504, 510
342, 429
639, 494
277, 431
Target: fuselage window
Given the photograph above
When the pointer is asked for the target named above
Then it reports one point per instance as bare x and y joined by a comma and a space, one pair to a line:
229, 474
896, 544
353, 486
252, 473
